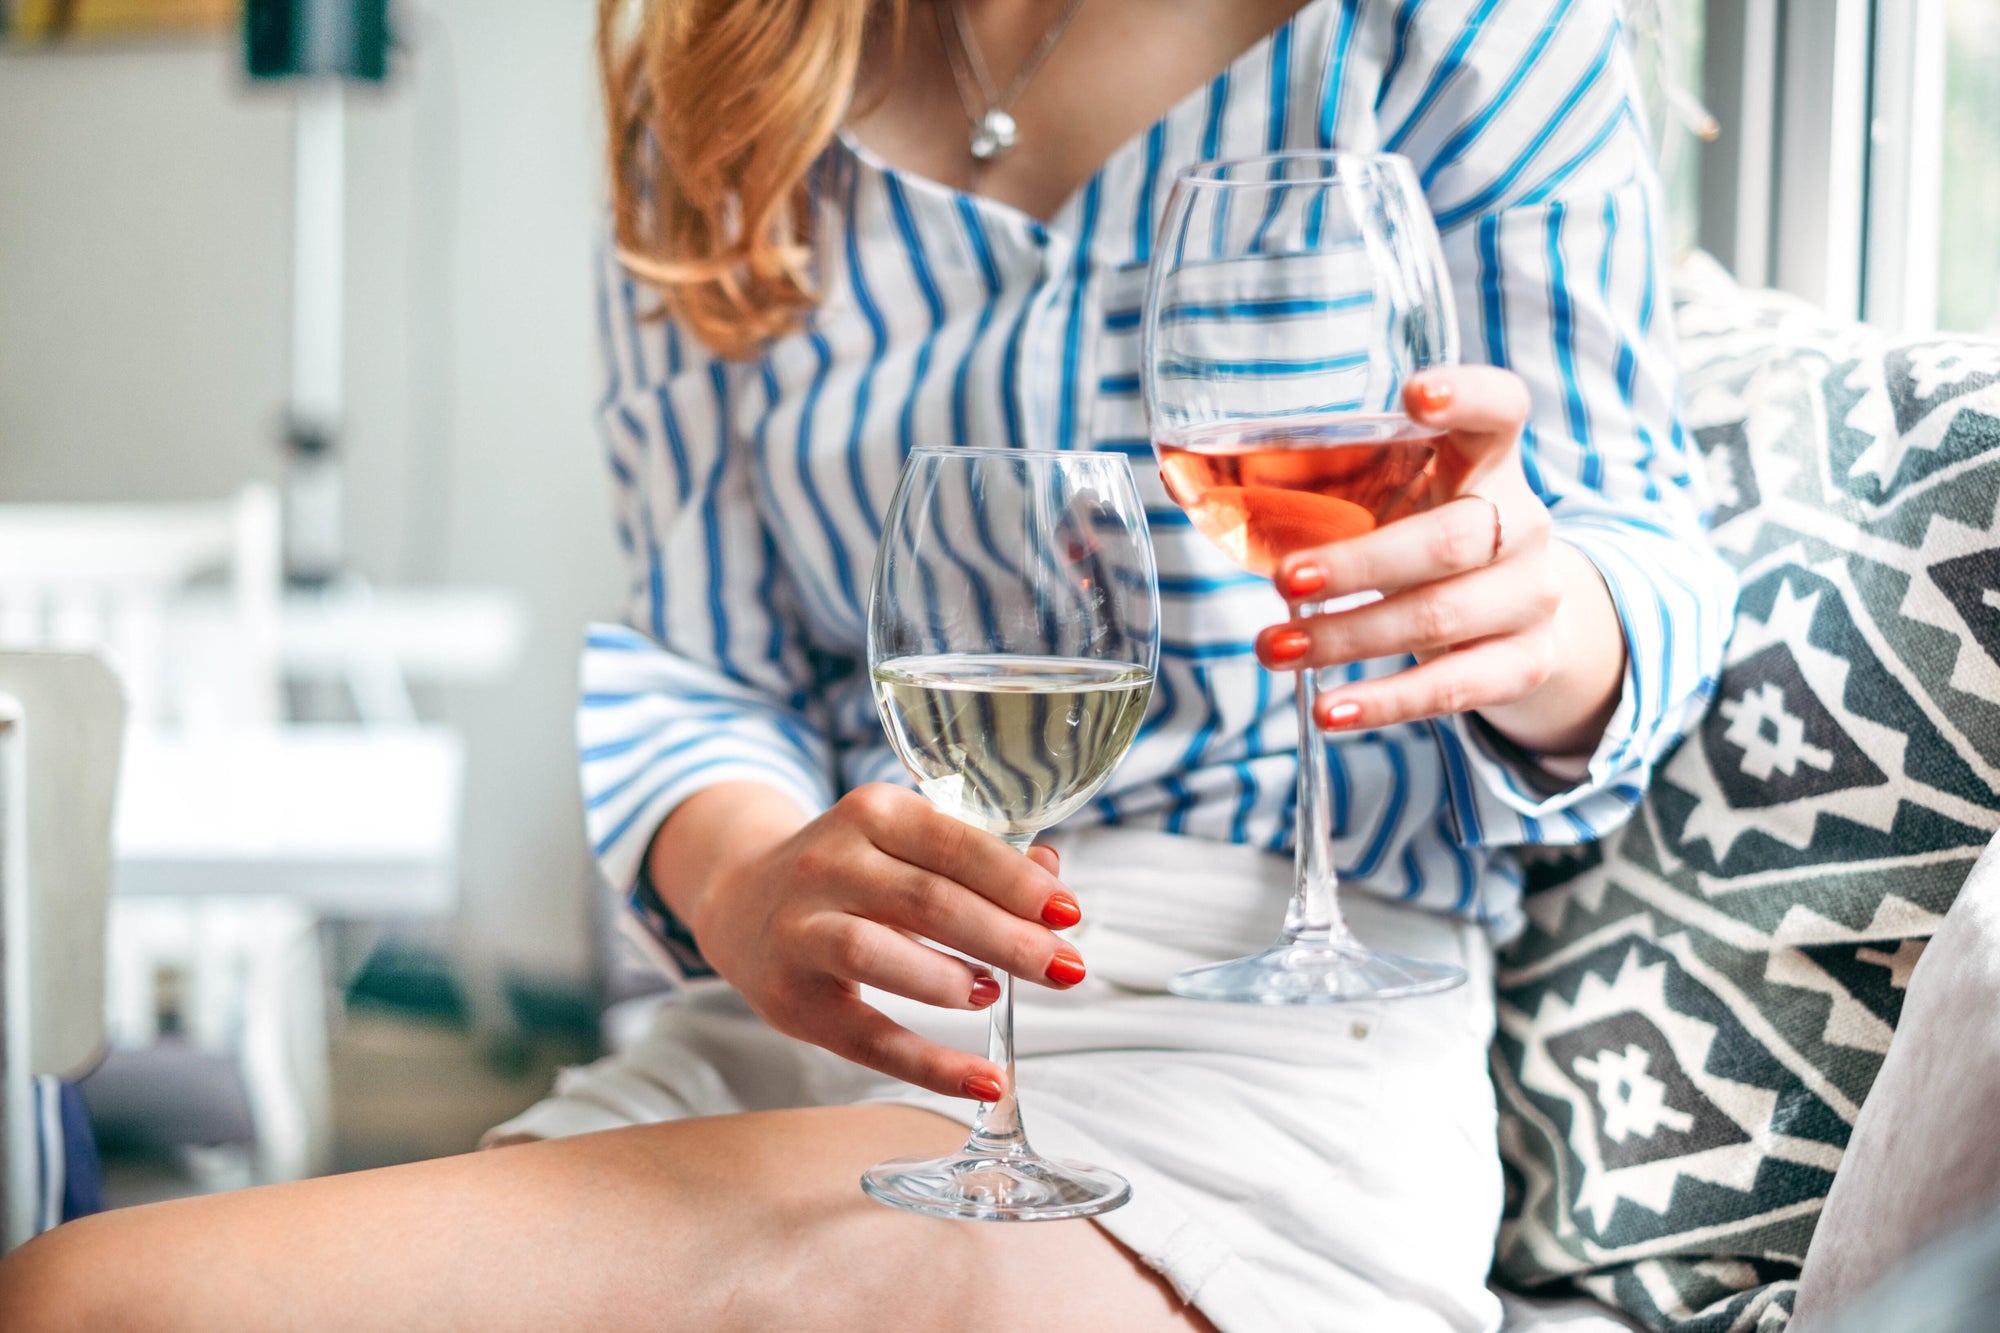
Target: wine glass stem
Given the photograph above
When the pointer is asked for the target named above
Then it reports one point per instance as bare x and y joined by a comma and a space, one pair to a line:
1314, 914
997, 1127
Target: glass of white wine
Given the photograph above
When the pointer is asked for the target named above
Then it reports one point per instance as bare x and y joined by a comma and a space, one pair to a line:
1013, 633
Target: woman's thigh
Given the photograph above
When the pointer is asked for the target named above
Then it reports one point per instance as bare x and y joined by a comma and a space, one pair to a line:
748, 1221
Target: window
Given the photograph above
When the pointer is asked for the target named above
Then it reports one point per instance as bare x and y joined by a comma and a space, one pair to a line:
1666, 37
1859, 158
1968, 251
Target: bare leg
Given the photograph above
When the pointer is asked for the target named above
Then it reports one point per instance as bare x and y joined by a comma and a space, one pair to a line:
734, 1222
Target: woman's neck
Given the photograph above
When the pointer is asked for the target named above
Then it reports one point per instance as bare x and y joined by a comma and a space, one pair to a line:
1120, 66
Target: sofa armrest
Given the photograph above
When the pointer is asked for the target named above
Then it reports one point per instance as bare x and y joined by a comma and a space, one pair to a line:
1925, 1152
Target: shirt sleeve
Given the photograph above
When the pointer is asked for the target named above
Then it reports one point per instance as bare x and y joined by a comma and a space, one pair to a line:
1527, 133
708, 679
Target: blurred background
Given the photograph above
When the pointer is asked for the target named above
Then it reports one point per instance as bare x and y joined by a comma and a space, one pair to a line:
297, 386
443, 495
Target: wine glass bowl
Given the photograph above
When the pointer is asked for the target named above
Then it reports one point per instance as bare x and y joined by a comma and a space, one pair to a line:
1013, 636
1261, 496
1290, 300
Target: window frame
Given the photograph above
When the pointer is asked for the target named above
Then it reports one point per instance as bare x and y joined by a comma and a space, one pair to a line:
1826, 179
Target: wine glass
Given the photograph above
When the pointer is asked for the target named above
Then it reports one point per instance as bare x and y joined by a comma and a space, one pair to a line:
1289, 300
1013, 632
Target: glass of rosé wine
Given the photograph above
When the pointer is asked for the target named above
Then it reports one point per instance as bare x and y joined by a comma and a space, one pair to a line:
1289, 300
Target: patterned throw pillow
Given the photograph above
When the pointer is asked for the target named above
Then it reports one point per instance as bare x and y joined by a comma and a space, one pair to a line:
1701, 1003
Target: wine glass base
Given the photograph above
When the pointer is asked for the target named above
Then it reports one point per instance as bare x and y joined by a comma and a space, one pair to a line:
1316, 973
1015, 1187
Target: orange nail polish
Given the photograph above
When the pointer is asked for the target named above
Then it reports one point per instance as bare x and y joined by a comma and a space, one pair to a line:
985, 990
1286, 644
1338, 715
984, 1088
1304, 581
1429, 397
1061, 911
1065, 969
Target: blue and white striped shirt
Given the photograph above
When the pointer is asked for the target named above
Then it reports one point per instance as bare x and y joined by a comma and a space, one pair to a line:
750, 494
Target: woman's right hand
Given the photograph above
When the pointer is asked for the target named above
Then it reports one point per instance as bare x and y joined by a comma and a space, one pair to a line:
800, 924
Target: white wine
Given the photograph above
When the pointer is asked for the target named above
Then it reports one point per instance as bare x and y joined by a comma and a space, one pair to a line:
1012, 744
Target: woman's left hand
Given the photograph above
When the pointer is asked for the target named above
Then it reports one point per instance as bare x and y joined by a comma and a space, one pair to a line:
1501, 618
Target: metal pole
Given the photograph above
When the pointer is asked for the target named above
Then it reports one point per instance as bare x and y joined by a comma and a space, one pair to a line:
319, 189
319, 185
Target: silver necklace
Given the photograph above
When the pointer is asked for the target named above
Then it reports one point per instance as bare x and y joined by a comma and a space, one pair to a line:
993, 129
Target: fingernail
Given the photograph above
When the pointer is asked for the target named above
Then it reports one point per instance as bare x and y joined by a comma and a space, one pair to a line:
1338, 715
1429, 397
1061, 911
1286, 644
980, 1086
985, 990
1065, 969
1304, 581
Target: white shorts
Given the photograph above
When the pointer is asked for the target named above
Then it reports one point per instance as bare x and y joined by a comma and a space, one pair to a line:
1312, 1168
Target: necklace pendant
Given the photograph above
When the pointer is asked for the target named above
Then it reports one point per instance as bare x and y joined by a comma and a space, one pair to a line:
993, 134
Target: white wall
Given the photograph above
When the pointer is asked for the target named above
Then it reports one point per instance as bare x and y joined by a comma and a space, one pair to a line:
144, 251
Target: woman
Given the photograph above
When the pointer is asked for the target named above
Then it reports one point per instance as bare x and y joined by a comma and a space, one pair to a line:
843, 275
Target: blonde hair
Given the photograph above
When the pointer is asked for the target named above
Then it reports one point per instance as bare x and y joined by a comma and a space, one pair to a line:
718, 110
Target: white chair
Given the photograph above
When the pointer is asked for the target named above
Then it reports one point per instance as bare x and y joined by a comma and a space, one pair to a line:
242, 977
112, 577
60, 720
184, 601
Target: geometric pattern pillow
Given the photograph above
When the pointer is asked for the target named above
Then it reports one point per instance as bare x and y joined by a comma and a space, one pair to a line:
1701, 1002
